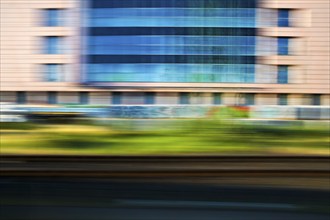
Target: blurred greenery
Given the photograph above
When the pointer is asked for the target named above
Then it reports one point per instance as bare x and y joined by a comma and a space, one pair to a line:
131, 137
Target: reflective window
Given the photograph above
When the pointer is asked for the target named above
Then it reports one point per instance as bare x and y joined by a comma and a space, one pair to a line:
52, 97
283, 46
53, 17
172, 22
217, 99
282, 74
282, 99
116, 98
149, 98
171, 72
249, 99
184, 98
283, 18
21, 97
172, 12
168, 31
53, 45
53, 72
173, 4
83, 98
316, 99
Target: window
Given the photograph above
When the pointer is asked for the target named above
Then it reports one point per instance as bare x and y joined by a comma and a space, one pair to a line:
316, 99
283, 46
83, 98
249, 99
52, 97
283, 18
217, 98
53, 72
184, 98
282, 74
282, 99
116, 98
52, 45
53, 17
20, 97
149, 98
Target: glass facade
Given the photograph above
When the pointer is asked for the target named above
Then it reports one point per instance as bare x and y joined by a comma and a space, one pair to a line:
170, 41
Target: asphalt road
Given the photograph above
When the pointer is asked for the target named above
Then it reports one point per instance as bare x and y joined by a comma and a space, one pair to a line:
82, 213
66, 198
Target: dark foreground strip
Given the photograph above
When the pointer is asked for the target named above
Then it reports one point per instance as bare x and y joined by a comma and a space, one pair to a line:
169, 173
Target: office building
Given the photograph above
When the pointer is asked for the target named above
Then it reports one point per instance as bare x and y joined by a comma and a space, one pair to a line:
165, 52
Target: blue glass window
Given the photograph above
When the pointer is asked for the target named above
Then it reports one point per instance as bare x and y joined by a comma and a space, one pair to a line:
53, 72
52, 97
21, 97
184, 98
249, 99
282, 99
117, 98
53, 45
283, 18
83, 98
283, 46
149, 98
53, 17
282, 74
217, 99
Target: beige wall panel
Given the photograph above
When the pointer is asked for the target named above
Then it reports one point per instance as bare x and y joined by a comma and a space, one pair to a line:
230, 99
325, 100
37, 97
201, 98
301, 18
132, 98
68, 97
167, 98
100, 98
297, 74
8, 97
295, 99
266, 99
266, 74
282, 32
